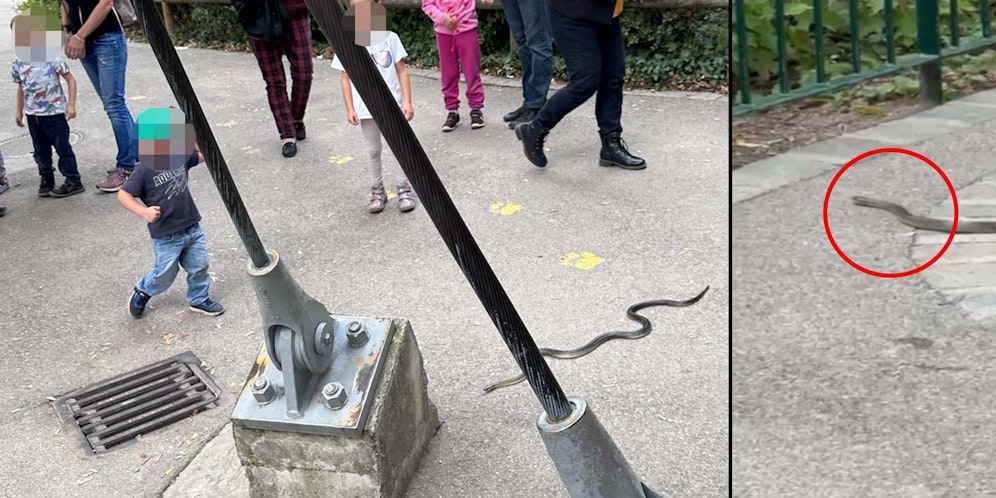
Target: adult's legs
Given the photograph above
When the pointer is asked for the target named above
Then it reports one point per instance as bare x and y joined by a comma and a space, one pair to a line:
536, 30
529, 24
297, 46
579, 44
608, 101
106, 64
270, 59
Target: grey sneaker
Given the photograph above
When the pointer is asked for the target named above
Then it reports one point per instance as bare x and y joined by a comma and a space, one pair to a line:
378, 198
208, 307
114, 181
406, 197
4, 184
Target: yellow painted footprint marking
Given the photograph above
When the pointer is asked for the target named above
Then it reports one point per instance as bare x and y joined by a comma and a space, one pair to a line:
506, 208
581, 261
137, 97
248, 149
228, 124
391, 195
340, 159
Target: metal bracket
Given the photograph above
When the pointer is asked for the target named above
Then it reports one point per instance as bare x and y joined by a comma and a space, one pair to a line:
357, 367
588, 461
296, 330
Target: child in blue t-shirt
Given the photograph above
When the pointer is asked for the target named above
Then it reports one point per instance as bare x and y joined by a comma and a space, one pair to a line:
388, 55
160, 181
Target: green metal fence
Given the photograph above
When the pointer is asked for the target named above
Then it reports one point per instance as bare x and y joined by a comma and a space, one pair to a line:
936, 34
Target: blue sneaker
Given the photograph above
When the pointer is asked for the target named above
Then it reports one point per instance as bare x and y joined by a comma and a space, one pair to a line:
208, 307
136, 305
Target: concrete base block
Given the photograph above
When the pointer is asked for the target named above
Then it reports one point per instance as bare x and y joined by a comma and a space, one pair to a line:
380, 463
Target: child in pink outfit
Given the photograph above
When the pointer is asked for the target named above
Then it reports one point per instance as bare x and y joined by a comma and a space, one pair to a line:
458, 45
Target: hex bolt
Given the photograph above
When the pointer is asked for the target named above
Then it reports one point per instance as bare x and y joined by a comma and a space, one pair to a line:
334, 396
357, 335
263, 391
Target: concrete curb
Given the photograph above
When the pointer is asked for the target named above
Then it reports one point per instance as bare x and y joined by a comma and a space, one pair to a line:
962, 275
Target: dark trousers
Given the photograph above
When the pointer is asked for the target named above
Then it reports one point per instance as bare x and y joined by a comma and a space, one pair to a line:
596, 63
296, 45
48, 132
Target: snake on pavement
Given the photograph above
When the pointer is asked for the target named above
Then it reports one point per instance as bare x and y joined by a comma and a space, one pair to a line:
631, 313
923, 222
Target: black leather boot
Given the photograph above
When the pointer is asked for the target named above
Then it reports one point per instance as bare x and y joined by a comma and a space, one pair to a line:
532, 136
614, 153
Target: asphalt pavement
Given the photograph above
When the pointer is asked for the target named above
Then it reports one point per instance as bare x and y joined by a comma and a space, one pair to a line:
573, 244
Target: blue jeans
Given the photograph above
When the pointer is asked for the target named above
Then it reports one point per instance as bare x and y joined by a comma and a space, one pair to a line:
105, 62
596, 62
48, 132
188, 249
528, 22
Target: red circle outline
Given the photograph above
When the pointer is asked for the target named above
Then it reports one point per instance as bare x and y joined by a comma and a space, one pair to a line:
826, 206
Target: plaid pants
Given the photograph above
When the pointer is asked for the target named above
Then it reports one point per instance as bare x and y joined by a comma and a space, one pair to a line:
296, 44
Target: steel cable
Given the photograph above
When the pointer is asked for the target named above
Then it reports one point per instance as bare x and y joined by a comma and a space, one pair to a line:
417, 167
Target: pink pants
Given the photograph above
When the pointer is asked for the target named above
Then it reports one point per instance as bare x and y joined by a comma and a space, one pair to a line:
456, 51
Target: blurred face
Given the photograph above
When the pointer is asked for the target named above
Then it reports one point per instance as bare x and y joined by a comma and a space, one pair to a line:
37, 36
165, 139
367, 21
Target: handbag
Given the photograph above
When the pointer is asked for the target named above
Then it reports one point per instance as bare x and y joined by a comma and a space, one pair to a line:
263, 20
125, 12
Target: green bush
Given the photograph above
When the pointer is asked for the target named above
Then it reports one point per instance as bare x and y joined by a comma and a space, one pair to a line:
761, 43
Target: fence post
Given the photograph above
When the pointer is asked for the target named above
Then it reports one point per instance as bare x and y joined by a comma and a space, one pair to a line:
929, 43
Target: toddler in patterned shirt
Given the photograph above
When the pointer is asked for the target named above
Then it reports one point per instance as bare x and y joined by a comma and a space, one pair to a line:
42, 102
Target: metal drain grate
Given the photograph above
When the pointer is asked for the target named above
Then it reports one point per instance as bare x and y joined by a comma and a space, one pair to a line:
116, 410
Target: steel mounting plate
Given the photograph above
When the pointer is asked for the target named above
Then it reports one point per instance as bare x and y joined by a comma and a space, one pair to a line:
359, 371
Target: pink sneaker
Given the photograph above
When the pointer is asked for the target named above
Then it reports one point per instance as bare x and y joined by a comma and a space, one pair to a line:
406, 198
378, 198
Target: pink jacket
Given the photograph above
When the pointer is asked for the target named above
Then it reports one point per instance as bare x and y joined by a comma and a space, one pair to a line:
464, 11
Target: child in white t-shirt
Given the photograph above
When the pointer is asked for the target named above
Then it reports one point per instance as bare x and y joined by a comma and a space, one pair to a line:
388, 55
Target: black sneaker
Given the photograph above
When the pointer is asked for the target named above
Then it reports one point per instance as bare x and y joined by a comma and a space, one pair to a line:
476, 119
46, 186
512, 116
3, 210
67, 190
208, 307
452, 121
136, 305
525, 117
289, 149
299, 129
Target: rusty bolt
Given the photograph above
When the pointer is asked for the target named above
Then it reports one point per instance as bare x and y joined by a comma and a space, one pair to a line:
334, 396
263, 391
356, 335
